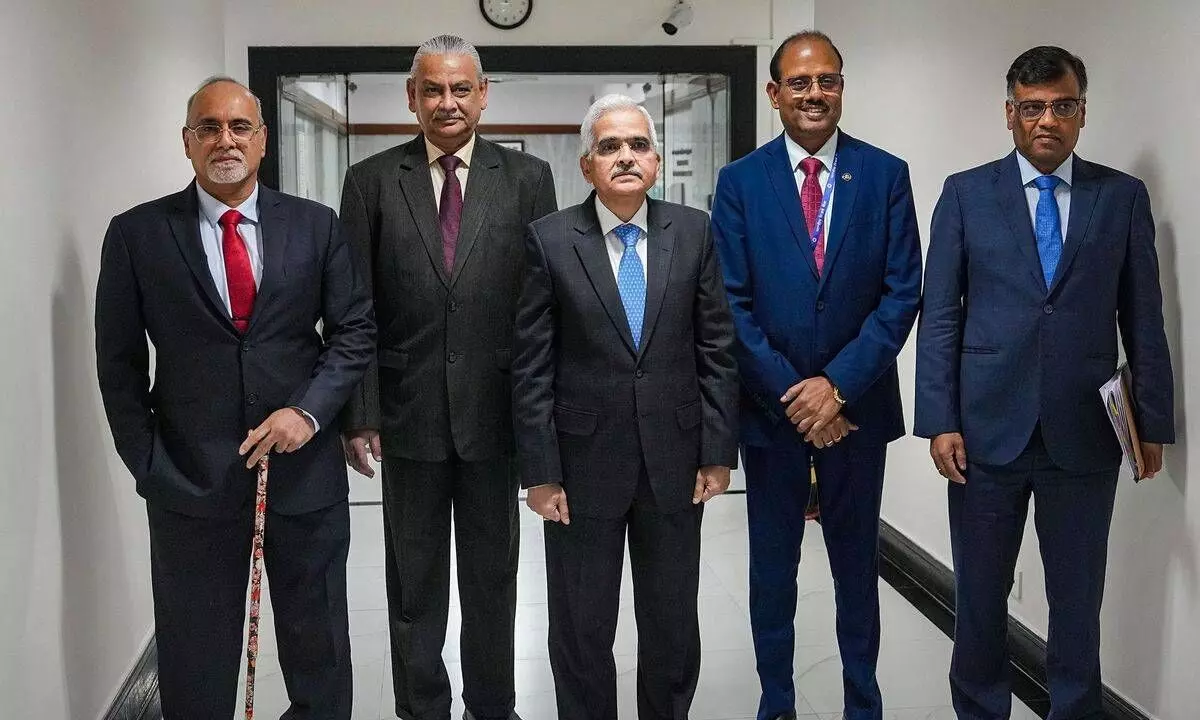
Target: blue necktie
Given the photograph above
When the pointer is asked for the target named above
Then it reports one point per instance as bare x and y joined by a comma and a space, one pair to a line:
631, 281
1048, 227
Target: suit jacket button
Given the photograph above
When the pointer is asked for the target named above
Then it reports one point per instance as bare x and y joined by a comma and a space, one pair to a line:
453, 307
639, 373
820, 305
251, 399
245, 347
453, 357
1048, 309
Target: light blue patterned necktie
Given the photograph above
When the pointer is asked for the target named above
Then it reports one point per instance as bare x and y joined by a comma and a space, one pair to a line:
631, 280
1048, 226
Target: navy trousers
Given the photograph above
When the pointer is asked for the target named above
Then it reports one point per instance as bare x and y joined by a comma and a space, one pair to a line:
1072, 514
850, 482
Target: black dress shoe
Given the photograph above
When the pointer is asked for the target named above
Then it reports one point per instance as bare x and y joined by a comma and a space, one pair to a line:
785, 716
514, 716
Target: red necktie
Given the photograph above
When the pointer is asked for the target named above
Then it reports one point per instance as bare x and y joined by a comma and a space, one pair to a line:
810, 200
238, 274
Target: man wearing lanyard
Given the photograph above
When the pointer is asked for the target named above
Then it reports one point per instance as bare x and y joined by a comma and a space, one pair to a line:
818, 241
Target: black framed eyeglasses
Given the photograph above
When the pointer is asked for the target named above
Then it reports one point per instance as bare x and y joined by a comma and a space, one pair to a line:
211, 132
1065, 108
827, 82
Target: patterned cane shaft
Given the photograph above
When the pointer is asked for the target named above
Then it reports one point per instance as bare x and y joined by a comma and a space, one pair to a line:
260, 520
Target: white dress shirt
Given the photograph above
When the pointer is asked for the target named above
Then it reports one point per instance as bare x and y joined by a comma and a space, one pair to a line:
438, 175
796, 154
211, 210
616, 248
1062, 193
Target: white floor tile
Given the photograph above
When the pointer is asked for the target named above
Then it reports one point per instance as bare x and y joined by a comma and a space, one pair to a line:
914, 657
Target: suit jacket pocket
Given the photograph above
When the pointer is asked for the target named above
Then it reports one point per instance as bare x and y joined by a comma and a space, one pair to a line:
504, 359
574, 422
978, 350
393, 359
688, 415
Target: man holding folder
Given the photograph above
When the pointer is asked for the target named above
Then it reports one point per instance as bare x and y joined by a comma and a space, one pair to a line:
1034, 262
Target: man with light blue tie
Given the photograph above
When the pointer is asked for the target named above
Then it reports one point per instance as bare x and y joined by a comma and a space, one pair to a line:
1018, 331
625, 407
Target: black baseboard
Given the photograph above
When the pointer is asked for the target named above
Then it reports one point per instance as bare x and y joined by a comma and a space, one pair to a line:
929, 586
138, 697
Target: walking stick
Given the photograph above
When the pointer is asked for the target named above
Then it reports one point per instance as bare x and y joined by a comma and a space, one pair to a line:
813, 510
260, 519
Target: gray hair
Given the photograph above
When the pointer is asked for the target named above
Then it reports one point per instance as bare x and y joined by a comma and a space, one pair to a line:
602, 107
447, 45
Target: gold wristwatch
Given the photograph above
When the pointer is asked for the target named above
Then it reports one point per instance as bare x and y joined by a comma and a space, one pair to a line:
837, 395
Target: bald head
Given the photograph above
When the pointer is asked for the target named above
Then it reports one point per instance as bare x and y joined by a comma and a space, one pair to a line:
222, 80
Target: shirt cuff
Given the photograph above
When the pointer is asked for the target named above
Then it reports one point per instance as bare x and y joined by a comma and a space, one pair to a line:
316, 425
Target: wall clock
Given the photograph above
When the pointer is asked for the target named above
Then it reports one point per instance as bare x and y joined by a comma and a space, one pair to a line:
506, 14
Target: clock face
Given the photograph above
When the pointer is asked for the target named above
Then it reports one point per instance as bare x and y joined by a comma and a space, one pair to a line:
506, 14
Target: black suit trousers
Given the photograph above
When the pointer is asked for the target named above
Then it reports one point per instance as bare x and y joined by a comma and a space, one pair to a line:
200, 570
418, 499
583, 571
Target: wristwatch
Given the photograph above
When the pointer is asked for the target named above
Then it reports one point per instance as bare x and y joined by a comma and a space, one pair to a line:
837, 394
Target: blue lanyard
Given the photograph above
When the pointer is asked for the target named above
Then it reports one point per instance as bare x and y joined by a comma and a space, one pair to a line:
819, 225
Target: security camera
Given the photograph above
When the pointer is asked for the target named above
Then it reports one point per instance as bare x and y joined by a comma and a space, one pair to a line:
680, 17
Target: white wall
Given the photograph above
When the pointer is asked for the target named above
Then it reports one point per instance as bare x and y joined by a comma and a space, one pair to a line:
926, 81
90, 127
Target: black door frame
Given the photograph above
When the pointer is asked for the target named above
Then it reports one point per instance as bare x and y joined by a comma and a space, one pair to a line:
737, 62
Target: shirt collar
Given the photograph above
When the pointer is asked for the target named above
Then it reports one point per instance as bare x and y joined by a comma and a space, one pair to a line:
464, 153
213, 208
609, 220
825, 154
1029, 173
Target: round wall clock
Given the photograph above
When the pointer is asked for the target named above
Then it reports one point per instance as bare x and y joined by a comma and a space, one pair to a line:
506, 14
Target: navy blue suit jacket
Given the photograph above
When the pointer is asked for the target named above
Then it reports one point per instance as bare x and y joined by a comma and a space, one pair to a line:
850, 322
998, 351
180, 437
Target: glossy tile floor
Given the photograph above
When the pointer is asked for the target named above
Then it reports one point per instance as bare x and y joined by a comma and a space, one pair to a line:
914, 660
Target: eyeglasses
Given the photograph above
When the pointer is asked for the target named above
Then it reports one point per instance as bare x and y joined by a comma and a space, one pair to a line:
211, 132
830, 83
612, 146
1065, 108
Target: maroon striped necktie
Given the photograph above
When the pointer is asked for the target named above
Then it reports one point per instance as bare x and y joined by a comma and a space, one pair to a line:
450, 209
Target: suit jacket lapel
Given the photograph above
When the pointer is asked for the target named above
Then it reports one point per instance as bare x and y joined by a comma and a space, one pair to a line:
482, 179
1084, 190
594, 257
417, 187
849, 167
273, 231
660, 244
783, 180
185, 226
1010, 193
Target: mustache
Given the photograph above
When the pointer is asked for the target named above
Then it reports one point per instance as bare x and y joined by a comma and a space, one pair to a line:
235, 155
447, 116
619, 171
814, 105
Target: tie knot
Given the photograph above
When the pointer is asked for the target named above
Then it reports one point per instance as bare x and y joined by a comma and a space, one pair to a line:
230, 219
811, 165
628, 233
449, 163
1046, 182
